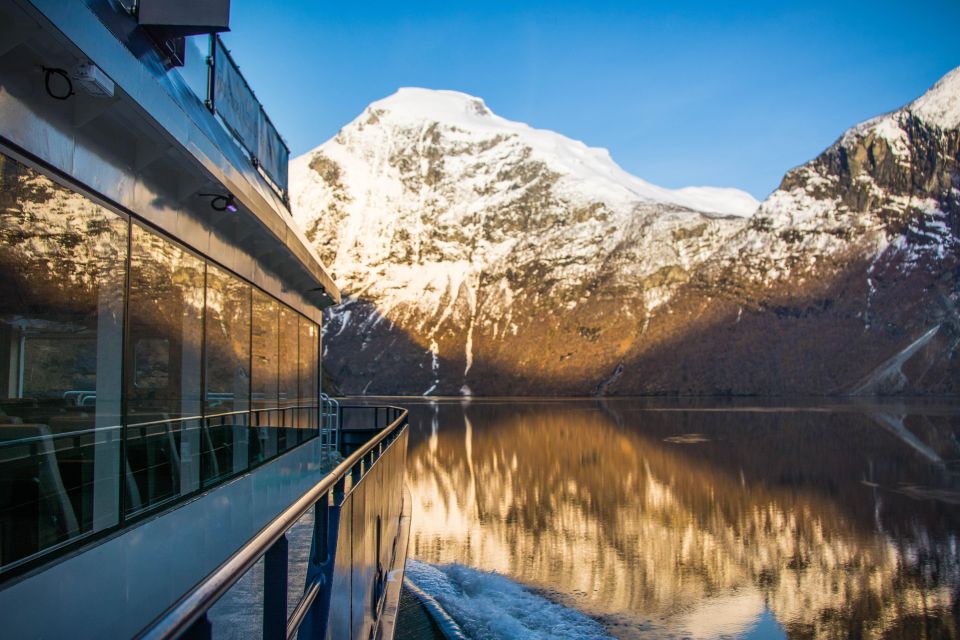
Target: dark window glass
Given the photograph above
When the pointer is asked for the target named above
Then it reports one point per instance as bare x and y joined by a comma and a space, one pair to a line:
228, 342
307, 365
165, 336
265, 377
63, 261
289, 336
225, 442
289, 376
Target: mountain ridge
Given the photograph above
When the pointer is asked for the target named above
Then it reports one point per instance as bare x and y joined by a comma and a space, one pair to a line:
483, 256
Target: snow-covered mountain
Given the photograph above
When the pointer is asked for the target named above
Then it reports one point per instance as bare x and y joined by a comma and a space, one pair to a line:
479, 255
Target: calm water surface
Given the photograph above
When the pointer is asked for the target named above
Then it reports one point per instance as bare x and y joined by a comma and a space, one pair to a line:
666, 520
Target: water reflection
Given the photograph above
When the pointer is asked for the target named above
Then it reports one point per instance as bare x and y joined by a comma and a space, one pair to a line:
744, 521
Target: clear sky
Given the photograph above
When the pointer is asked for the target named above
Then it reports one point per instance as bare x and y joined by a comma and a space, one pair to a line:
681, 93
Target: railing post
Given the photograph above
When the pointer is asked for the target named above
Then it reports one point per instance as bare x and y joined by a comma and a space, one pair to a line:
321, 526
275, 591
356, 472
326, 521
339, 490
199, 630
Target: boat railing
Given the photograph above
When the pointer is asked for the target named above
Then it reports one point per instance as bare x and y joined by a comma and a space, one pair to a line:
330, 422
226, 444
188, 618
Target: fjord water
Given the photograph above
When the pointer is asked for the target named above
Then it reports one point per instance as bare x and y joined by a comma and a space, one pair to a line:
736, 519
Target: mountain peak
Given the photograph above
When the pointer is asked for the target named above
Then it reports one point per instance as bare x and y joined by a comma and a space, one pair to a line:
467, 118
940, 105
433, 104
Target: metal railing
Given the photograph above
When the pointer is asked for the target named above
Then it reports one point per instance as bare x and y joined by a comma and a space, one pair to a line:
330, 421
150, 454
188, 617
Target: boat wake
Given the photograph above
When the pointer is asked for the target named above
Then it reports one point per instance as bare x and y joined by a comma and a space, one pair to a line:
488, 605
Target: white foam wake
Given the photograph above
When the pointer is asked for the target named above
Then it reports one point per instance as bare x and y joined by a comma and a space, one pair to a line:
489, 605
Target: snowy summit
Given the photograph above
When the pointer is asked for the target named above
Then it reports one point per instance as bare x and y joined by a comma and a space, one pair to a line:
589, 169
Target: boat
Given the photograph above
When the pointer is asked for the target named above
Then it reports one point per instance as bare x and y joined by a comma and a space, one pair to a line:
170, 465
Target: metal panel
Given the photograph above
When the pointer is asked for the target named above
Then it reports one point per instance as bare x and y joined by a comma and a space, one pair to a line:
213, 15
360, 568
339, 619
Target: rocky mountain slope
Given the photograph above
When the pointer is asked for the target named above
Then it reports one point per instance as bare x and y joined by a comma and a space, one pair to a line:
481, 256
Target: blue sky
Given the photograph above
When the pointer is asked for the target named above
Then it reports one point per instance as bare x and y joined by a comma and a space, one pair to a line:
681, 93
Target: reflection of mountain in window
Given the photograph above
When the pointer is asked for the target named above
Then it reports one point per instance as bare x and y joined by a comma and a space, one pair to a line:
151, 366
166, 327
227, 342
63, 261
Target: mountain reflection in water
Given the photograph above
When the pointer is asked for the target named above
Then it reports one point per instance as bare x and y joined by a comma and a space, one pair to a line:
701, 521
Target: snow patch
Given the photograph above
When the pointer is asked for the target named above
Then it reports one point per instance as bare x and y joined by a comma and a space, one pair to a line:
940, 106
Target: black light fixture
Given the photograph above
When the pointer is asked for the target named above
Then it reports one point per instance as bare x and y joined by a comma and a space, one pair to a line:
62, 92
222, 202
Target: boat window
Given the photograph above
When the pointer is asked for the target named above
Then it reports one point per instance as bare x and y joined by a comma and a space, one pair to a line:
307, 365
289, 374
165, 329
228, 342
166, 316
63, 259
265, 376
128, 381
227, 335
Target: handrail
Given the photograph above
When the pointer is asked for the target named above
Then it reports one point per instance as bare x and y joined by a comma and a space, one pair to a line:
114, 427
211, 416
178, 619
240, 412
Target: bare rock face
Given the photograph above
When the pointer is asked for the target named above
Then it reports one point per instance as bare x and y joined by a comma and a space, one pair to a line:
481, 256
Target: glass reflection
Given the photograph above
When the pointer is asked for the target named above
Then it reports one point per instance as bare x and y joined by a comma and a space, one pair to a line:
289, 376
166, 335
701, 523
227, 371
309, 384
63, 261
265, 376
206, 394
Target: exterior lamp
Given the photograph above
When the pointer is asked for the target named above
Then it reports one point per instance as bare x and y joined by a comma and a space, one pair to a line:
222, 202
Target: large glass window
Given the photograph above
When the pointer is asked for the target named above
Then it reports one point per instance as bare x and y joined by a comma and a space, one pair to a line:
62, 259
228, 342
266, 341
227, 335
164, 358
289, 376
309, 384
265, 376
213, 374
